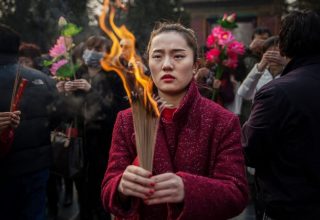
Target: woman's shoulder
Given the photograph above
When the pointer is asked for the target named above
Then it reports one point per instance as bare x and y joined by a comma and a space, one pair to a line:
125, 115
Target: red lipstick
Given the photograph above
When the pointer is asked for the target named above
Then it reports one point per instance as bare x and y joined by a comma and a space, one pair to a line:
167, 77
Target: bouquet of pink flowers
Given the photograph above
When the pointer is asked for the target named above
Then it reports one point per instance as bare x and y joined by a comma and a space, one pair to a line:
61, 65
224, 49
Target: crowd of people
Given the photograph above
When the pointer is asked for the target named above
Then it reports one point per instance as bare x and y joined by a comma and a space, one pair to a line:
205, 165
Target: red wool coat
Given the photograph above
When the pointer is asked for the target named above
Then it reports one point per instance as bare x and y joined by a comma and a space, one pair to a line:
201, 145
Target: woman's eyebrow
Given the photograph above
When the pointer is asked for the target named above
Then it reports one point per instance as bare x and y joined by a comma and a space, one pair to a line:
173, 50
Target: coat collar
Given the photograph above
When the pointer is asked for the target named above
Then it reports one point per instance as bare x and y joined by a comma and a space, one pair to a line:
298, 62
187, 102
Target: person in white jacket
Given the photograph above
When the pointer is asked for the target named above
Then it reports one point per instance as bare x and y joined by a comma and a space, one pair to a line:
269, 68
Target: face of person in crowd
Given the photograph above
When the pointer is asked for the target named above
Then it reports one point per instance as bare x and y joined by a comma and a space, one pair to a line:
26, 61
92, 56
126, 47
257, 41
171, 63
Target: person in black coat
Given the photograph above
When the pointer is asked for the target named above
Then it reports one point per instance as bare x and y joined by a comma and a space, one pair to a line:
25, 168
281, 137
95, 98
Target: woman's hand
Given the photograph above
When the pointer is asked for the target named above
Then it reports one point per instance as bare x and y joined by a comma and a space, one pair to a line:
169, 188
15, 118
69, 87
136, 182
60, 86
82, 84
275, 57
9, 119
216, 83
262, 65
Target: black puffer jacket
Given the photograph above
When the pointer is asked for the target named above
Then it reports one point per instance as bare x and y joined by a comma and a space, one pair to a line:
31, 149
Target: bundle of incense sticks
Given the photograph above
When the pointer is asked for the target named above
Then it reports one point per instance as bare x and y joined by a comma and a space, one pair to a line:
18, 89
145, 127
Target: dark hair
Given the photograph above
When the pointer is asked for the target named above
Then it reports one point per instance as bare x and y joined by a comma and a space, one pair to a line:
78, 52
97, 42
260, 31
186, 33
29, 50
271, 41
9, 40
300, 34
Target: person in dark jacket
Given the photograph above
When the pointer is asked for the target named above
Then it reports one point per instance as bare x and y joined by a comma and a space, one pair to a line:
100, 96
281, 137
24, 170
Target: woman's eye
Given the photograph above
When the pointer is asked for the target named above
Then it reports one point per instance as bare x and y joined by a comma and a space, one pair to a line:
156, 56
179, 56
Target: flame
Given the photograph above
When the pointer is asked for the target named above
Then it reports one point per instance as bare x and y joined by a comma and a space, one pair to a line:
138, 86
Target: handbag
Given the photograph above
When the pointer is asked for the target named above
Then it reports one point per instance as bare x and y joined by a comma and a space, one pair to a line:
68, 158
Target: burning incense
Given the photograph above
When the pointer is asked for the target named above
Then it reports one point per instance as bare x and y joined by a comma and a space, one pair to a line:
138, 87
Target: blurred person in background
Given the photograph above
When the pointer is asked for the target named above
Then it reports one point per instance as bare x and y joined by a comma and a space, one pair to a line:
97, 97
270, 67
252, 56
30, 55
25, 168
281, 136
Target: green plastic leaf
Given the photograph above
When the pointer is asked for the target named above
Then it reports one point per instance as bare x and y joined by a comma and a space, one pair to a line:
70, 30
227, 25
66, 71
47, 63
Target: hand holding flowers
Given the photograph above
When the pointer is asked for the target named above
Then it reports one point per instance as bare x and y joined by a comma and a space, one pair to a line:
224, 50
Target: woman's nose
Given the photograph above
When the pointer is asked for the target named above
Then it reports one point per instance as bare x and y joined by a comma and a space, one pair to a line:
167, 64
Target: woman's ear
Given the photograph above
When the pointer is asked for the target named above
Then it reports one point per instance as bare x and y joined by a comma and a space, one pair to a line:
196, 66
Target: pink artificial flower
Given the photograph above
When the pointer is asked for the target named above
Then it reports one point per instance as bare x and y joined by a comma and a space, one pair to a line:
56, 66
235, 47
225, 37
231, 63
211, 41
216, 31
59, 48
213, 55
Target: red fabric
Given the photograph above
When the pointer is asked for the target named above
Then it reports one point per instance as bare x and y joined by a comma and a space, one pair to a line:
6, 140
72, 132
202, 146
167, 113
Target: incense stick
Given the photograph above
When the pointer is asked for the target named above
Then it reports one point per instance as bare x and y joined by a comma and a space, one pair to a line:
15, 87
145, 127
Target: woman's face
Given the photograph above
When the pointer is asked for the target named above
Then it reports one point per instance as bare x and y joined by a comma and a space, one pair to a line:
171, 63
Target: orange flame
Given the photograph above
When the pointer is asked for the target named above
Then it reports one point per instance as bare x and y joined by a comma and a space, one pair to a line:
138, 86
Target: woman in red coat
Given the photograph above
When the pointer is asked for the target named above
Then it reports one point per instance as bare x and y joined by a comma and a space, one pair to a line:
198, 170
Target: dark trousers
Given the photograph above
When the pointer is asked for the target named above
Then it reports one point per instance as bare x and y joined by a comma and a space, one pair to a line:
89, 184
23, 197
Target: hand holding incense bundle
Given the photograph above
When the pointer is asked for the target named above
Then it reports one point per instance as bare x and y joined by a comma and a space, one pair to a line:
7, 134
